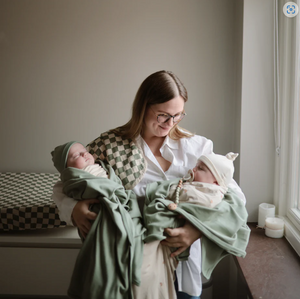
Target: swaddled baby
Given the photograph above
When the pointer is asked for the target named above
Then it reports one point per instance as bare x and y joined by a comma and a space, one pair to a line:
207, 182
116, 235
74, 154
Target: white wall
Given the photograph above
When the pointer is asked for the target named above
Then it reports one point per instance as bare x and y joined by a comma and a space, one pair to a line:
257, 136
70, 69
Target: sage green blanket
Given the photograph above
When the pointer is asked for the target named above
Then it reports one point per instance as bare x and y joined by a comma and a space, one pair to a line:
224, 227
110, 259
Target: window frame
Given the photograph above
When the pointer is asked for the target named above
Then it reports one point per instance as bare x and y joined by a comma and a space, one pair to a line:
287, 123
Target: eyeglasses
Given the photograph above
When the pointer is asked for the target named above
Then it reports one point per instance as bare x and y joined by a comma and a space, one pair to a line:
164, 117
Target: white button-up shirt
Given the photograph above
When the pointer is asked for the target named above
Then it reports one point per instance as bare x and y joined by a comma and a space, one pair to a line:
183, 155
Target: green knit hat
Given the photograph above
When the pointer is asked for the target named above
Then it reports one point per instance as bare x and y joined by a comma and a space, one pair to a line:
60, 155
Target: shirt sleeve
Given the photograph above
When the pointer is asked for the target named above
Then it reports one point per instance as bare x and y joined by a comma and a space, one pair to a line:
234, 186
196, 146
64, 203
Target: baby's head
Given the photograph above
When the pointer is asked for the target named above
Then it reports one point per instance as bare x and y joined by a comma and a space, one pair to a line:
215, 169
71, 154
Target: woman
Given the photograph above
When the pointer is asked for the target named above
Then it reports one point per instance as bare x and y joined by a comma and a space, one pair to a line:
151, 147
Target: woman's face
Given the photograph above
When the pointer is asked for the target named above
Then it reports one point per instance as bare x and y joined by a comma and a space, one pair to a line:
151, 126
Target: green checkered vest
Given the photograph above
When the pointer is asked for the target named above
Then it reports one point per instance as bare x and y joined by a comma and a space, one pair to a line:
124, 156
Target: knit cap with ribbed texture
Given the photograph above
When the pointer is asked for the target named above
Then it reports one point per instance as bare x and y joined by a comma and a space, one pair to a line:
60, 155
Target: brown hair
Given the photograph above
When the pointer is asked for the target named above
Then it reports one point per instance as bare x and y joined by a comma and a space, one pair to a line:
159, 87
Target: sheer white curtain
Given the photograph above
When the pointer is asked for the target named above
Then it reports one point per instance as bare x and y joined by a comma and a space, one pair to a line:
286, 124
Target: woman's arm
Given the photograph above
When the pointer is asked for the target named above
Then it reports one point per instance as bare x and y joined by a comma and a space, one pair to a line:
181, 237
74, 212
185, 236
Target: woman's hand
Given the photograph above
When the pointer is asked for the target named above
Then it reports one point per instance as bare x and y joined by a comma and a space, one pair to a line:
82, 216
181, 237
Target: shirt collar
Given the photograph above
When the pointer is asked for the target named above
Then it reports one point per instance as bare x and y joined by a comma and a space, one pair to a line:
170, 143
167, 142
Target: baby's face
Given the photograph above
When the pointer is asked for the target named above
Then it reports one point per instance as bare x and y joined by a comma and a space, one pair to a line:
79, 157
203, 174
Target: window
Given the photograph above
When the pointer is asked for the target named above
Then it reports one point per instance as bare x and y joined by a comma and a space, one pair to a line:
293, 204
287, 121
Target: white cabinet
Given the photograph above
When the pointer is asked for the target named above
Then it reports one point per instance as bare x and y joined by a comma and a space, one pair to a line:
38, 262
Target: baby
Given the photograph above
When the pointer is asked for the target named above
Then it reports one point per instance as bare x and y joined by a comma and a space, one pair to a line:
205, 201
206, 183
74, 154
116, 236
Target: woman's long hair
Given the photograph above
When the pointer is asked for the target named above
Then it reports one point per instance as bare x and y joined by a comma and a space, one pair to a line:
160, 87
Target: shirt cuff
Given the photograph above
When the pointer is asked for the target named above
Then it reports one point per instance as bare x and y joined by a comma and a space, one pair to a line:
66, 211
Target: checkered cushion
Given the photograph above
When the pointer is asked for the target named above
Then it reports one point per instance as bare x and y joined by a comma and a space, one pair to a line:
25, 201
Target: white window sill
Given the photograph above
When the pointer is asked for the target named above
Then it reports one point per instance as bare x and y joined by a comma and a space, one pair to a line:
292, 235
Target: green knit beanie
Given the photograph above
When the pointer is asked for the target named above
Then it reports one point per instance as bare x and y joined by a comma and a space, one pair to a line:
60, 155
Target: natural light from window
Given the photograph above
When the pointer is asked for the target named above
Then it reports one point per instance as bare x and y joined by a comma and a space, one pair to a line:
287, 119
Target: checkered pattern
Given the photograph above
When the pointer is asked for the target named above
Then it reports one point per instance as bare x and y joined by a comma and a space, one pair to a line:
25, 201
123, 155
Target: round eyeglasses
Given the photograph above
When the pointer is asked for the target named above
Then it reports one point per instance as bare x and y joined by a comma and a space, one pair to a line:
164, 117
